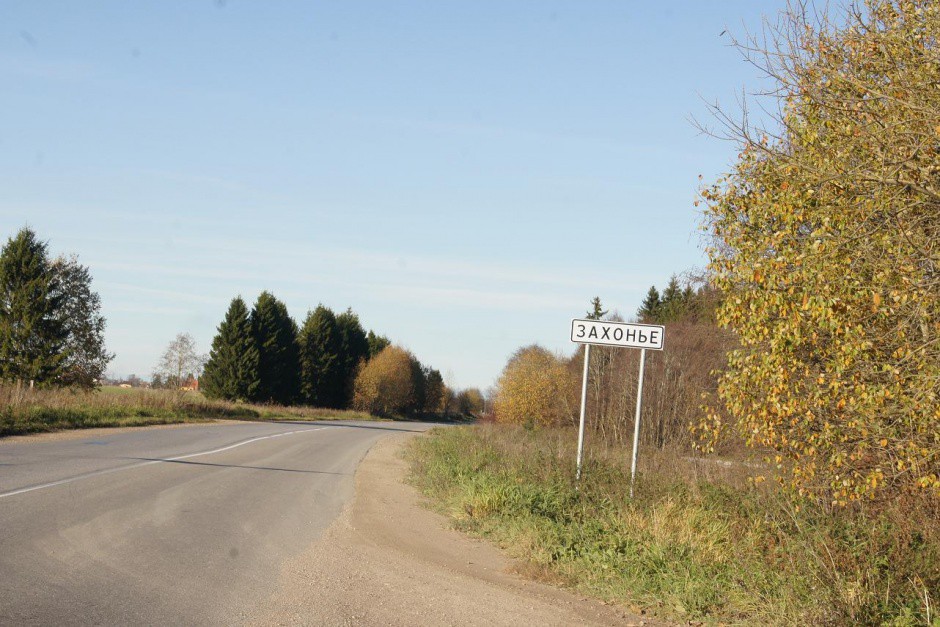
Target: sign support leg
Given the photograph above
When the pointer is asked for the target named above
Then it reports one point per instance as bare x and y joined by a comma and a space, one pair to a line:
584, 380
636, 422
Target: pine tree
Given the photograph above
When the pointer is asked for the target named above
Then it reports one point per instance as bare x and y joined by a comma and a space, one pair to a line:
650, 309
275, 337
232, 370
321, 376
32, 335
354, 348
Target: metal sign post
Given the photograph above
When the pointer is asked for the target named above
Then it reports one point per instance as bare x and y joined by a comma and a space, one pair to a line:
623, 335
587, 359
636, 421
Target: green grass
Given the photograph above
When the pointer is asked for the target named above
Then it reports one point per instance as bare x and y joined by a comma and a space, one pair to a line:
694, 544
31, 411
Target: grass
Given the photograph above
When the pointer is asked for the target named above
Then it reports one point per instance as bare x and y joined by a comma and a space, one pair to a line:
698, 543
23, 410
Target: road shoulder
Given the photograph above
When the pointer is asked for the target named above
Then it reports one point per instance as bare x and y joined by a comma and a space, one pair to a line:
389, 561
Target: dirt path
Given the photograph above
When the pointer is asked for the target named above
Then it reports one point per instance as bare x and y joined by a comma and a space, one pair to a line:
389, 561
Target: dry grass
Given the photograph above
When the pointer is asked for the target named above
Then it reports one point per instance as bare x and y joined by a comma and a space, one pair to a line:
699, 541
24, 410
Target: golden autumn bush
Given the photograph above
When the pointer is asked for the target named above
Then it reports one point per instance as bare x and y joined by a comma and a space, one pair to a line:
826, 242
535, 389
384, 384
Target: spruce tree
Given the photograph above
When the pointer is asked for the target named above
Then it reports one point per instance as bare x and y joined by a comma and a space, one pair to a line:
232, 370
597, 312
649, 310
354, 348
321, 375
275, 336
80, 314
32, 334
377, 343
672, 305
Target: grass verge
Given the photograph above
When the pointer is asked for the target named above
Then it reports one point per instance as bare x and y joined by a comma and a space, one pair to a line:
698, 543
32, 411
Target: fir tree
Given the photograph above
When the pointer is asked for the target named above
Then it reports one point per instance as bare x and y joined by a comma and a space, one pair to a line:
597, 312
377, 343
232, 370
275, 337
321, 375
354, 348
649, 310
79, 311
32, 334
672, 305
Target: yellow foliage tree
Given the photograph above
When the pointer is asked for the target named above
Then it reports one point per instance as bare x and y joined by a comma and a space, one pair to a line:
827, 245
535, 388
384, 384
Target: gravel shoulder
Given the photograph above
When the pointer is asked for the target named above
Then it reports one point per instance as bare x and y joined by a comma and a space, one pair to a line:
389, 561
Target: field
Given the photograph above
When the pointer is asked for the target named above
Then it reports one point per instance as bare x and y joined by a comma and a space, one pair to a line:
23, 410
699, 542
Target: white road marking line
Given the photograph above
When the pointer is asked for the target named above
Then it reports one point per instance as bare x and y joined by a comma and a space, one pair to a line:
108, 471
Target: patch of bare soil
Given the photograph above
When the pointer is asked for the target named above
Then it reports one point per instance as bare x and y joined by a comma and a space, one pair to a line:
389, 561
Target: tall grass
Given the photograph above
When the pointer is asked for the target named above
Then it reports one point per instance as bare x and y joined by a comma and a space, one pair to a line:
25, 410
699, 541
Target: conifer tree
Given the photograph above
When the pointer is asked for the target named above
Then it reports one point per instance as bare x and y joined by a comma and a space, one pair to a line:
354, 348
597, 311
377, 343
232, 370
79, 311
275, 337
32, 335
321, 375
649, 310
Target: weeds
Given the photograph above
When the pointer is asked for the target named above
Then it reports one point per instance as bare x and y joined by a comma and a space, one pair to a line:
25, 410
699, 541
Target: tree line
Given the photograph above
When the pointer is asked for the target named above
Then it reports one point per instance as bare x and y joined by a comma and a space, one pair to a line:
264, 356
51, 327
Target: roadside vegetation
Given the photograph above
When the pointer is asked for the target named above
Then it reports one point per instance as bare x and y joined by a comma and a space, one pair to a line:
24, 410
699, 542
790, 445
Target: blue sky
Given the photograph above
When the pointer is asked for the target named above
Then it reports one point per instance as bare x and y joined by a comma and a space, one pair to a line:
465, 175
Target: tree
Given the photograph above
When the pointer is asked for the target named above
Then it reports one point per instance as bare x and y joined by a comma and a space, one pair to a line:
180, 361
85, 356
231, 373
275, 336
435, 392
826, 243
322, 381
377, 343
470, 401
354, 348
534, 389
385, 384
597, 311
649, 310
33, 338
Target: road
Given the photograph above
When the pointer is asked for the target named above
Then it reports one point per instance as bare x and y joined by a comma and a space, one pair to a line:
185, 525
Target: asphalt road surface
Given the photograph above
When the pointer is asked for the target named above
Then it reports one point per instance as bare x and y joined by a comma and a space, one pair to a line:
186, 525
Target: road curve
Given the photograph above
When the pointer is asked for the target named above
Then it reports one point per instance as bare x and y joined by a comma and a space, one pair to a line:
187, 525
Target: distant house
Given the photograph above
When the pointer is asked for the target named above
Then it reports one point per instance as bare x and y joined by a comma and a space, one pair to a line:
126, 386
191, 384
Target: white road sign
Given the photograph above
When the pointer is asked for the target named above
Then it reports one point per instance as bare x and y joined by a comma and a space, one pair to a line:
623, 334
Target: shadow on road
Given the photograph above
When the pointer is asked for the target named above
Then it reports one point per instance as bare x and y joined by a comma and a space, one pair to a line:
181, 461
348, 426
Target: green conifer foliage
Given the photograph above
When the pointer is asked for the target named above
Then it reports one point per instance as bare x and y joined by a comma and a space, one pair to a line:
275, 336
232, 370
321, 375
32, 336
649, 310
354, 348
377, 343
